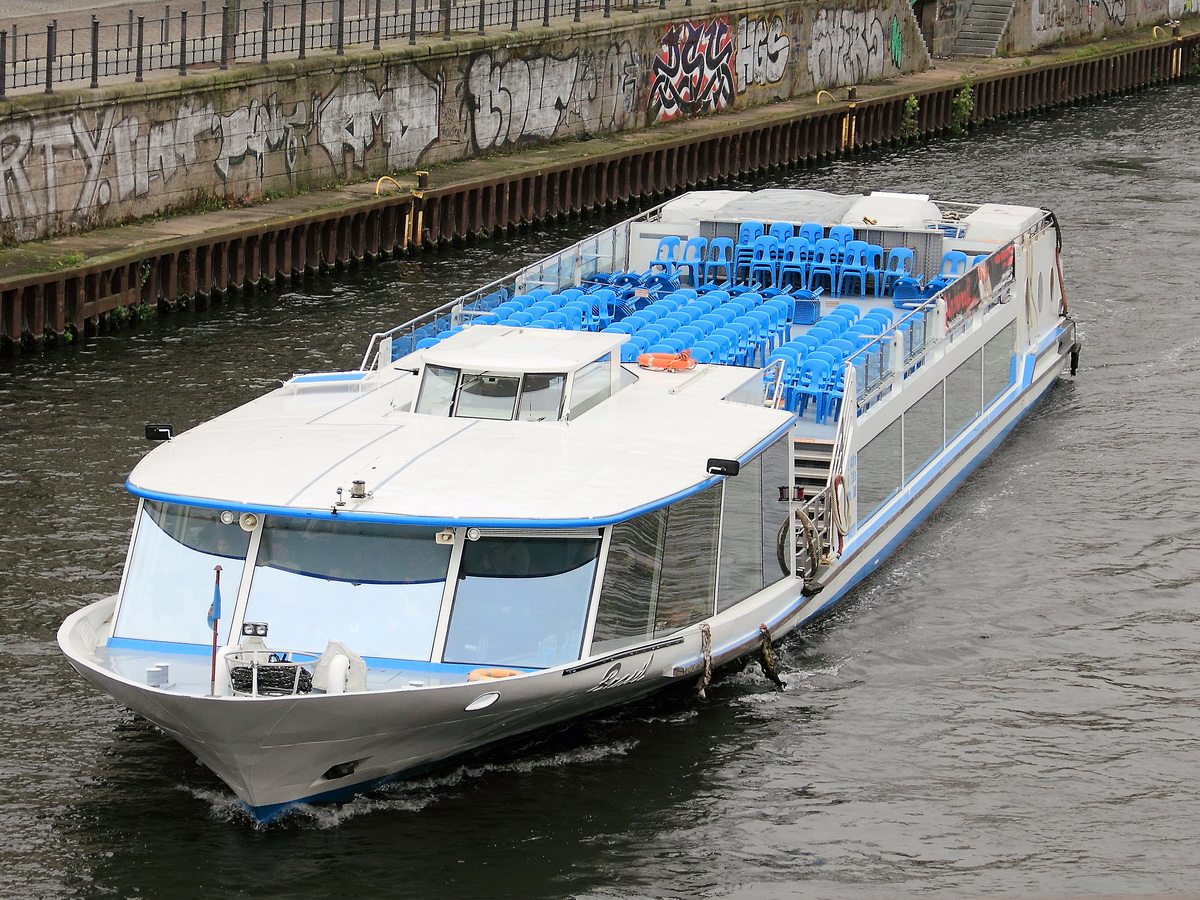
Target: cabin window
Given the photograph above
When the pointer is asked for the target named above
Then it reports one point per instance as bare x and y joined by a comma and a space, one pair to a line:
592, 385
964, 394
485, 396
376, 588
437, 391
541, 397
521, 601
924, 434
879, 471
661, 572
630, 582
169, 584
997, 364
750, 520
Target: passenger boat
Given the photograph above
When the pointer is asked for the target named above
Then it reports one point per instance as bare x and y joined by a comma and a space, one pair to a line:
648, 455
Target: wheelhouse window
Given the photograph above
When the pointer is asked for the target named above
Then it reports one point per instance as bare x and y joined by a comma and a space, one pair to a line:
437, 391
376, 588
531, 397
521, 601
592, 385
485, 396
169, 583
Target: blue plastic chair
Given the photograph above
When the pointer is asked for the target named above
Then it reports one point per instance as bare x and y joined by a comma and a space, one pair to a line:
843, 234
900, 263
826, 263
692, 259
701, 354
795, 256
666, 255
907, 293
810, 379
811, 232
806, 343
748, 233
764, 261
854, 267
721, 258
782, 231
821, 333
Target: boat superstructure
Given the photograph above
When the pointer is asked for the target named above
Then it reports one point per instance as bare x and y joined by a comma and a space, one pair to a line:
623, 465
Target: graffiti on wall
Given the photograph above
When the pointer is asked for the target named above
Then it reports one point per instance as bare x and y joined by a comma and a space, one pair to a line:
693, 71
508, 100
517, 99
609, 101
1053, 19
762, 52
108, 160
849, 47
401, 115
253, 131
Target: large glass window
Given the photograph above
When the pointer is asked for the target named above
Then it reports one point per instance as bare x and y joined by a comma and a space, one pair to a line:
661, 572
742, 536
376, 588
687, 588
997, 364
924, 435
630, 582
169, 585
879, 472
521, 601
964, 394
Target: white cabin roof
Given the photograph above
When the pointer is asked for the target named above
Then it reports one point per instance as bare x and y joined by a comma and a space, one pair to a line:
294, 447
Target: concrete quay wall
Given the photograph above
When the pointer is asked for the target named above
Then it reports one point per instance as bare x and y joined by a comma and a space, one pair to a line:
78, 160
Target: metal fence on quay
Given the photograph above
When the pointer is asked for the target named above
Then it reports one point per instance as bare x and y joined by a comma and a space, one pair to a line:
206, 34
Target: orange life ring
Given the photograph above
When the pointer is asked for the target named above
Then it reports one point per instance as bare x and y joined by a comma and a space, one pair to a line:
667, 362
486, 674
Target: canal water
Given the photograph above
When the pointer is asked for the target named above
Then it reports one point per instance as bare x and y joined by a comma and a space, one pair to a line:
1009, 707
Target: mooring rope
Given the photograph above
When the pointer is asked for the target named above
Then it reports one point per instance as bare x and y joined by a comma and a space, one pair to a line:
706, 650
768, 658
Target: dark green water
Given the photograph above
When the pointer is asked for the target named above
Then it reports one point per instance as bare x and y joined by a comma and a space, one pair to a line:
1010, 707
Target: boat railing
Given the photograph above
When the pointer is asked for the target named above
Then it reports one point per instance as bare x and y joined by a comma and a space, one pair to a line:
898, 352
603, 252
265, 673
816, 533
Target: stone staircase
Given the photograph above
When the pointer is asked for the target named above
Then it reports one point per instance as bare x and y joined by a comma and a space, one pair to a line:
984, 26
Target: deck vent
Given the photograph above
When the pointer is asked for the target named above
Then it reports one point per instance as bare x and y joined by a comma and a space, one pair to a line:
723, 466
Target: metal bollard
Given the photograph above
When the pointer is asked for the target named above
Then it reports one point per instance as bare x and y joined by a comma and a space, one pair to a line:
516, 15
412, 23
545, 13
95, 52
378, 22
578, 11
608, 9
341, 28
482, 14
183, 42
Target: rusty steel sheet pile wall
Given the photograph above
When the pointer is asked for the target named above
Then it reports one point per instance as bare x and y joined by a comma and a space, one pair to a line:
79, 159
233, 258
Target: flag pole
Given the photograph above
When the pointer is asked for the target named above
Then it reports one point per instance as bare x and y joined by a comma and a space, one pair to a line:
214, 616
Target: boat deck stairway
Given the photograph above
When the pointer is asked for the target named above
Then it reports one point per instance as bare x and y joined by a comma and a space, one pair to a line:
810, 466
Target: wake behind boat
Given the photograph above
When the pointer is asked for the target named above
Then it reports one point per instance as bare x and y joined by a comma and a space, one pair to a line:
633, 461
